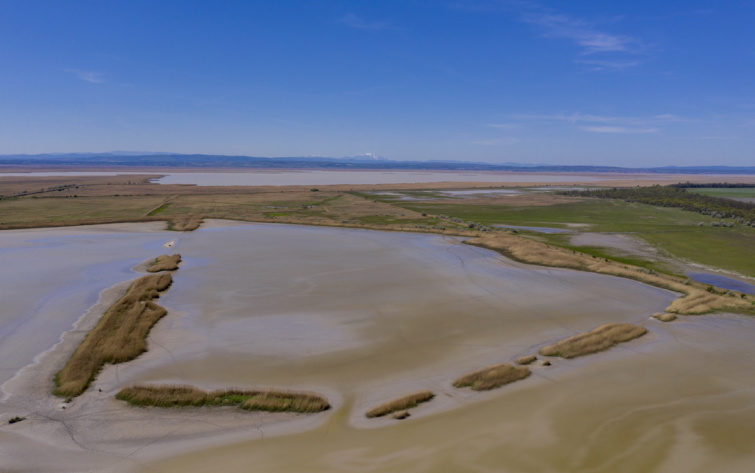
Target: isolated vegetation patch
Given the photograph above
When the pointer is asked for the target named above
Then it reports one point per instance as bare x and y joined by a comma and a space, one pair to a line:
164, 263
599, 339
492, 377
526, 360
252, 400
400, 404
664, 317
119, 336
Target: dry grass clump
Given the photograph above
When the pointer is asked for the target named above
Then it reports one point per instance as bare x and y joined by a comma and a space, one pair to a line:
164, 263
185, 224
492, 377
119, 336
599, 339
253, 400
401, 404
664, 317
163, 396
525, 360
281, 401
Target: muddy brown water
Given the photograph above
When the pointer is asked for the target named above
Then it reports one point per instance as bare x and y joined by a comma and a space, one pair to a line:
364, 316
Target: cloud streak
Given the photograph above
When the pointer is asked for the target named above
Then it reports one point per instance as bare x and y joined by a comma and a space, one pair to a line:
581, 32
88, 76
607, 124
592, 40
497, 141
617, 129
353, 21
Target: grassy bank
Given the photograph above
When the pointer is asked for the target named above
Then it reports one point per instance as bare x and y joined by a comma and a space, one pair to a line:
697, 298
599, 339
492, 377
252, 400
119, 336
401, 404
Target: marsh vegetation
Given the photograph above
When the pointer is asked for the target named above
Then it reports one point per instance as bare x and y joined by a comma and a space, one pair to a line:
492, 377
119, 336
526, 360
164, 263
664, 317
252, 400
599, 339
400, 404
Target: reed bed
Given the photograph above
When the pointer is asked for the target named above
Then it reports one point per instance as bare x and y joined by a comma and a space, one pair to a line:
185, 224
492, 377
251, 400
401, 404
164, 263
599, 339
664, 317
119, 336
526, 360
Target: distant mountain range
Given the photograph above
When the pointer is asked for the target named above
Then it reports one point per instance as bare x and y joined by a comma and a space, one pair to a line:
365, 162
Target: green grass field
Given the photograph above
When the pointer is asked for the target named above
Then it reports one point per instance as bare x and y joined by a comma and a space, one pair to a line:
673, 230
728, 192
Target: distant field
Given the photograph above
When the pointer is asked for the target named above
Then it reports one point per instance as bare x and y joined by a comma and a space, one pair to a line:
728, 192
119, 199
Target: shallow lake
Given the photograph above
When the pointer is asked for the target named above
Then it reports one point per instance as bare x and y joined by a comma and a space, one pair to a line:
249, 177
364, 316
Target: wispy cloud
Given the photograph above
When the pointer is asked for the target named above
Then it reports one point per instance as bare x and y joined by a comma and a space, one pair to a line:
497, 141
354, 21
503, 126
88, 76
617, 129
590, 36
597, 65
607, 124
581, 32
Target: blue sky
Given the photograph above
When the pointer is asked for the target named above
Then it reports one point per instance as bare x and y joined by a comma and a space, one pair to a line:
637, 83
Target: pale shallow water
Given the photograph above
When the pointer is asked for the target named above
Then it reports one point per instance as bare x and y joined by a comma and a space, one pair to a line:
249, 177
50, 277
290, 305
287, 178
535, 229
723, 281
363, 316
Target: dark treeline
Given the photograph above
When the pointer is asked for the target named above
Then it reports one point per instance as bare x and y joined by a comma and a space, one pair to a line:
698, 185
670, 196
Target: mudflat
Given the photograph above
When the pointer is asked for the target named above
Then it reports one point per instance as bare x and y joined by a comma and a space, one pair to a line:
363, 317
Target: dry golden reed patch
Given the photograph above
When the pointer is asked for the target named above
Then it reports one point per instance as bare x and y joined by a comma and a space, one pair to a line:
526, 360
164, 263
185, 224
119, 336
401, 404
253, 400
696, 299
492, 377
664, 317
599, 339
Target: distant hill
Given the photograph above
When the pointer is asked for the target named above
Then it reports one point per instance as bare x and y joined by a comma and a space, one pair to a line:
365, 162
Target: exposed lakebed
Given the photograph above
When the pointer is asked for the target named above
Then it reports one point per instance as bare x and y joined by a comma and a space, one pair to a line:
363, 316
